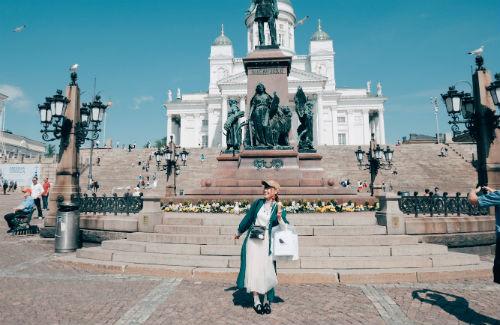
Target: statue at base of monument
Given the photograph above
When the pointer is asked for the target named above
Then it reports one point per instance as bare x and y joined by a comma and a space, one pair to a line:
232, 126
268, 123
303, 107
266, 11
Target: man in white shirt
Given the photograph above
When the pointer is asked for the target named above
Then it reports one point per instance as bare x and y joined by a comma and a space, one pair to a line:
36, 193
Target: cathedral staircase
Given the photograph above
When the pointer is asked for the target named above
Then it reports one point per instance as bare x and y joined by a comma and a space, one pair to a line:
346, 248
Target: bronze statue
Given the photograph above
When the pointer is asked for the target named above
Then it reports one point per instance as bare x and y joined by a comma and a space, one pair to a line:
268, 124
266, 11
261, 106
303, 107
232, 126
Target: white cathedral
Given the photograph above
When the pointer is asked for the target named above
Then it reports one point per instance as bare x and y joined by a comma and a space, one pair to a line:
343, 116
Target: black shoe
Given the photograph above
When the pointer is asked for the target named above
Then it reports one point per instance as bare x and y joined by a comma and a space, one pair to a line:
258, 309
10, 230
267, 308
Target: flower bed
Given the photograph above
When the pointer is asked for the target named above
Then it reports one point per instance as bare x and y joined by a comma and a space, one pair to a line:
290, 207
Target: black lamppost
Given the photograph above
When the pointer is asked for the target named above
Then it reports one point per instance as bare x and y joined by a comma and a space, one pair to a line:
377, 159
171, 158
480, 121
92, 115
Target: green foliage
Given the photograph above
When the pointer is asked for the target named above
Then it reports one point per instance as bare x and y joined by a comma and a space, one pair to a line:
50, 150
161, 143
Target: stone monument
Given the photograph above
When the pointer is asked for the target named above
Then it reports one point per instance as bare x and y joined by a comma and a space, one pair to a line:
267, 153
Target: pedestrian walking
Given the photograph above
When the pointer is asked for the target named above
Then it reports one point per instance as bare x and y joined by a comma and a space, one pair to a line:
490, 198
36, 194
45, 195
5, 186
257, 270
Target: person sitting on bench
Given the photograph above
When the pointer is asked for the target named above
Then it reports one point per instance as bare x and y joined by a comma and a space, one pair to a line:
24, 209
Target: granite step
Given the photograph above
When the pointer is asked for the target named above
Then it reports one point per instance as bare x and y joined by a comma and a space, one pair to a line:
373, 240
301, 230
333, 263
304, 251
313, 219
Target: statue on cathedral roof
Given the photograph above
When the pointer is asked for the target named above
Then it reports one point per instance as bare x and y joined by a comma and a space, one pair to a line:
303, 107
233, 127
266, 11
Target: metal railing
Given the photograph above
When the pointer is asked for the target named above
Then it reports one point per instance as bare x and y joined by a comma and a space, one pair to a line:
439, 205
108, 204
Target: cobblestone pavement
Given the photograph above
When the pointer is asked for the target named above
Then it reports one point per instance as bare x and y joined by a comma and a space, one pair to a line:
34, 289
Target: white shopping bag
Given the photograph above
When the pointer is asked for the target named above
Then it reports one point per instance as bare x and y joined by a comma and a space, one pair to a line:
286, 244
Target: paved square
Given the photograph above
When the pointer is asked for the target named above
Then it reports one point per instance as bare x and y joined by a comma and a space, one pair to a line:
35, 289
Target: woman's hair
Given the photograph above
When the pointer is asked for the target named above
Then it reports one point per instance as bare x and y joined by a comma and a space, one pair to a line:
276, 197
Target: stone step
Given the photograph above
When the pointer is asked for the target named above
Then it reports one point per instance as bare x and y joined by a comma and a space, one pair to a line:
333, 263
373, 240
290, 276
312, 219
301, 230
304, 251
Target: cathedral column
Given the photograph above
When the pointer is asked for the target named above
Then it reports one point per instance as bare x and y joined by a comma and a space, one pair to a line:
381, 126
366, 127
170, 131
319, 121
223, 121
243, 102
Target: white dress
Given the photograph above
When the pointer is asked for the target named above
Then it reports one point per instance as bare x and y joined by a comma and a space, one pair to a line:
260, 275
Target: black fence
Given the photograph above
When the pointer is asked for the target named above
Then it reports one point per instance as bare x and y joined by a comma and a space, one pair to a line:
439, 205
108, 204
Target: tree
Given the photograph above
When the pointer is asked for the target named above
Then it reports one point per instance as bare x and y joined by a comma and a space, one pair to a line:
50, 150
161, 143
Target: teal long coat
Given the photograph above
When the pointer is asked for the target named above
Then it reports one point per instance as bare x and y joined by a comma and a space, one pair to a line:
246, 224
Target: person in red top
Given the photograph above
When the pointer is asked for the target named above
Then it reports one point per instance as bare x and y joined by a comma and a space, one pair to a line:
45, 194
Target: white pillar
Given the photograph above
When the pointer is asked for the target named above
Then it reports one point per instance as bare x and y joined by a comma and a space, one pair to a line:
223, 121
366, 127
335, 127
169, 130
319, 125
381, 126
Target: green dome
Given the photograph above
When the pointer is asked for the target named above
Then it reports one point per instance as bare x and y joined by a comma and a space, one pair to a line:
320, 35
222, 39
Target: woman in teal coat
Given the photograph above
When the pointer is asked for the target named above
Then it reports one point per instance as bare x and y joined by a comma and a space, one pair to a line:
257, 271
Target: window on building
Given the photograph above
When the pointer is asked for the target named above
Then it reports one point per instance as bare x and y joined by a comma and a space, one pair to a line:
204, 141
280, 39
341, 119
342, 139
204, 122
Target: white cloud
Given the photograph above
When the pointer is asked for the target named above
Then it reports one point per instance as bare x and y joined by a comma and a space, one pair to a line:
17, 98
138, 101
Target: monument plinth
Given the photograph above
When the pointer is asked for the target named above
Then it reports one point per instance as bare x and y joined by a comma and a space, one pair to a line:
271, 67
266, 152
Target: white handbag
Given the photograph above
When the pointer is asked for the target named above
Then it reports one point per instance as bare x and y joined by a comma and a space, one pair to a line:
286, 244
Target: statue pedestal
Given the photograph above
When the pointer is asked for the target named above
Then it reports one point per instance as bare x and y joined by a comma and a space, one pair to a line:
240, 176
270, 67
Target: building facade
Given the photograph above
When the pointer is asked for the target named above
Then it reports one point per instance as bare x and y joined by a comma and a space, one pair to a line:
342, 116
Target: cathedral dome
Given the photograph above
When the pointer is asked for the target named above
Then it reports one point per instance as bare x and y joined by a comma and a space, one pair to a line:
222, 39
320, 34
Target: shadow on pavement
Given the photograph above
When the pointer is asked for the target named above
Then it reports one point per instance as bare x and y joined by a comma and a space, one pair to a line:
456, 306
244, 299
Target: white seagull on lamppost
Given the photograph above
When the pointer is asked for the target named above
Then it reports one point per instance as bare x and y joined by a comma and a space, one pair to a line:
74, 67
477, 52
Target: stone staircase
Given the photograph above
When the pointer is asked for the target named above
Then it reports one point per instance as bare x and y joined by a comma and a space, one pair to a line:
347, 247
418, 167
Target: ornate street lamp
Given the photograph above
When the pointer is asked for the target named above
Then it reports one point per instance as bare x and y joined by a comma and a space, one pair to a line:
453, 100
494, 90
377, 159
480, 121
171, 157
184, 155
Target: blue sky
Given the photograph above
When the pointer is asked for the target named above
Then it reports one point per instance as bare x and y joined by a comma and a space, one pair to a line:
138, 50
